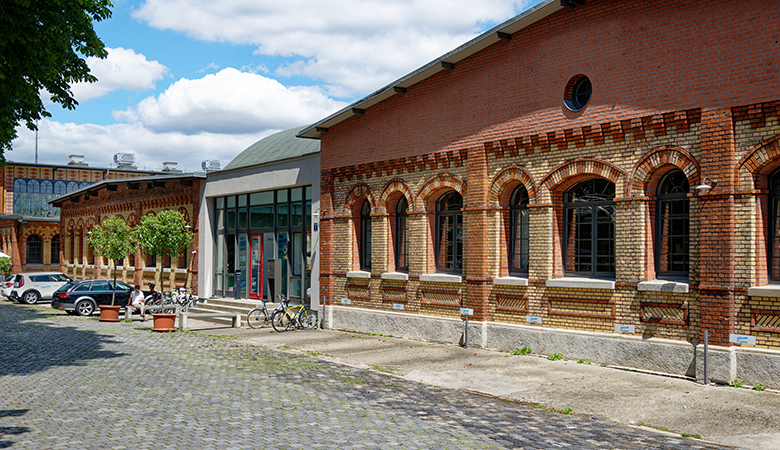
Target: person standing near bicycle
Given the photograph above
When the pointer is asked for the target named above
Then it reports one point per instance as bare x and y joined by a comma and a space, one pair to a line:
136, 301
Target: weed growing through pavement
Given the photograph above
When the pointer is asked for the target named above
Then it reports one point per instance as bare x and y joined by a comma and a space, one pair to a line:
688, 435
521, 351
759, 387
737, 384
555, 357
583, 361
380, 369
566, 410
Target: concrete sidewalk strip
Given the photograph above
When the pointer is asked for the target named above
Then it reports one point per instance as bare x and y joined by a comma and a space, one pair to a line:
720, 414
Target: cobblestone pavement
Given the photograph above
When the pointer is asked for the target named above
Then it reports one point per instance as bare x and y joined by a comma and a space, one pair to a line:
73, 382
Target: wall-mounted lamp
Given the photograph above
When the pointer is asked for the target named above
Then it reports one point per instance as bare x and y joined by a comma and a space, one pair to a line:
705, 186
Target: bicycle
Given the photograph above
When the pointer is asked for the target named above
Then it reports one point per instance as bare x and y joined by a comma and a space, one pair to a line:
183, 299
280, 319
298, 316
260, 317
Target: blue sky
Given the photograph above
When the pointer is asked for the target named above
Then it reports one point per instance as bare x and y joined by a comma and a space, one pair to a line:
190, 80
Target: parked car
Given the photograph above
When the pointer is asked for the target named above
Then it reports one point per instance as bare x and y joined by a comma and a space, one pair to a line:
31, 287
8, 284
83, 297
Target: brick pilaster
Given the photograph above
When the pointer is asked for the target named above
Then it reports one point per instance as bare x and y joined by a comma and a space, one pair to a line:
716, 268
326, 237
475, 225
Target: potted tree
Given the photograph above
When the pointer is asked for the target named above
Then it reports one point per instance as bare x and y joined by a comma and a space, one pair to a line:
112, 238
161, 234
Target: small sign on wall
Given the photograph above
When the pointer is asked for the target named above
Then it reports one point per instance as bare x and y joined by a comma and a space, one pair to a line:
533, 319
345, 301
398, 306
742, 339
625, 329
466, 312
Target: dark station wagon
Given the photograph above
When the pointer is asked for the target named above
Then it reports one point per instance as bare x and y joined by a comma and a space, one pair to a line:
83, 297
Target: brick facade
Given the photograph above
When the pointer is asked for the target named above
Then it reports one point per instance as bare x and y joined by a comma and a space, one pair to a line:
674, 87
131, 200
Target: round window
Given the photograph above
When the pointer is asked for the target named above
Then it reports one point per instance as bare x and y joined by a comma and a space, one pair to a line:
577, 94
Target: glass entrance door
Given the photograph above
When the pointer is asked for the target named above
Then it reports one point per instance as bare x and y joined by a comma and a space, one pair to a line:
256, 267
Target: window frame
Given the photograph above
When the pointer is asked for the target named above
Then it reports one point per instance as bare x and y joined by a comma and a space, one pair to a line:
402, 235
570, 204
774, 226
662, 199
34, 250
457, 225
518, 207
364, 243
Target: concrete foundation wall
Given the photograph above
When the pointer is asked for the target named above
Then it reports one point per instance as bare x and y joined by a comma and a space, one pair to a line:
753, 366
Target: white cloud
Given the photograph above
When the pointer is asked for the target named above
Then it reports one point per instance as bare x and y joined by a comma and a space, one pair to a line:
230, 102
122, 69
99, 143
355, 45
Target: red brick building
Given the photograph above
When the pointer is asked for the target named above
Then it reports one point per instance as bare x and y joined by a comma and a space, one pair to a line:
130, 199
29, 225
597, 178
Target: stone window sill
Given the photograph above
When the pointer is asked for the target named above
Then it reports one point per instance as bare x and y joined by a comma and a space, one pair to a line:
358, 274
398, 276
510, 281
441, 278
676, 287
581, 283
770, 290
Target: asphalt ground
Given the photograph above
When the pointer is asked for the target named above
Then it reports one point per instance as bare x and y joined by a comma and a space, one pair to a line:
73, 382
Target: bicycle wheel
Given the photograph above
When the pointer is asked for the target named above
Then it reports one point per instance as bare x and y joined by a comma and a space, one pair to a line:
281, 321
256, 318
307, 319
295, 314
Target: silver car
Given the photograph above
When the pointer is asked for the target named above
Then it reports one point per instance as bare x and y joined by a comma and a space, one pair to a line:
8, 284
31, 287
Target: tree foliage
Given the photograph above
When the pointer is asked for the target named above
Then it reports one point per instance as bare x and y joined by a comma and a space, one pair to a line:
5, 266
164, 233
112, 238
39, 51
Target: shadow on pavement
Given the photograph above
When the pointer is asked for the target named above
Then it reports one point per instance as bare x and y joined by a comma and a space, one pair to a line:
32, 345
12, 431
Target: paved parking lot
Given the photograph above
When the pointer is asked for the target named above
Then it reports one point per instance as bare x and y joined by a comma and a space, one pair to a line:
72, 382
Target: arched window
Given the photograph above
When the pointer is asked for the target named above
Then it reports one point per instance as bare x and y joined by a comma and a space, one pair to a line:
34, 249
401, 249
589, 213
72, 186
365, 236
449, 233
774, 189
60, 188
55, 249
672, 257
518, 238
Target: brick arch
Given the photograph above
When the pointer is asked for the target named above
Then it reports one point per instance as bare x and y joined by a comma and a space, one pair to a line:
580, 168
762, 159
131, 220
657, 158
184, 214
90, 223
80, 226
439, 182
70, 227
395, 186
357, 192
511, 176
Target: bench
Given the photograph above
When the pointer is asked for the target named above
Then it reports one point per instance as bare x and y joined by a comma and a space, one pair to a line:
183, 316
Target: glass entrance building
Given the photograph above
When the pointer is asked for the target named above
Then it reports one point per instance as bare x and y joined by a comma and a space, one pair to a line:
261, 212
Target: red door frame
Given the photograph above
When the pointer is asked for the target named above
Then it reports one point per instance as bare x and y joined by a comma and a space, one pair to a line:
255, 295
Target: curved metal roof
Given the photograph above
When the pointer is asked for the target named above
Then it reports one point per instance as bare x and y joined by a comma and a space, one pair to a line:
276, 147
